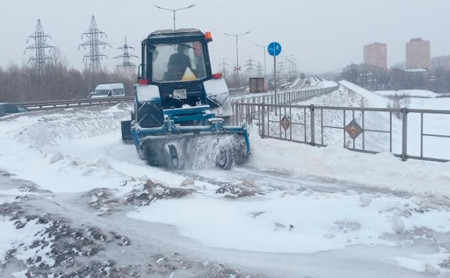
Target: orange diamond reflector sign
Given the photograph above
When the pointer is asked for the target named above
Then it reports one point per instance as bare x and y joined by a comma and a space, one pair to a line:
353, 129
285, 123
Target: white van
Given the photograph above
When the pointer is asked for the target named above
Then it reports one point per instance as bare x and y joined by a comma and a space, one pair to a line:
108, 90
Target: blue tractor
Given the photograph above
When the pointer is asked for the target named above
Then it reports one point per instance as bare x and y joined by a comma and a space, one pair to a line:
181, 110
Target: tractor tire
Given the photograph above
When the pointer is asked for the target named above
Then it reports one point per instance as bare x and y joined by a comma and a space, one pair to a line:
240, 154
141, 153
175, 156
224, 158
125, 127
151, 156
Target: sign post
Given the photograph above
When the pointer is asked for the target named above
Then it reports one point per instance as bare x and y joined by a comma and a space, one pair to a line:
274, 50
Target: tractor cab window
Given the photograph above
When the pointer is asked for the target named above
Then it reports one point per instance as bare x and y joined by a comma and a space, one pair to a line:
178, 62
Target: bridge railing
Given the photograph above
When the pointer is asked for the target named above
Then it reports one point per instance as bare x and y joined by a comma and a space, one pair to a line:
417, 133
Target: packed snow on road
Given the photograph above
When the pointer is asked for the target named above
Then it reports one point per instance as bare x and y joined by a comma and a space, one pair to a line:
77, 202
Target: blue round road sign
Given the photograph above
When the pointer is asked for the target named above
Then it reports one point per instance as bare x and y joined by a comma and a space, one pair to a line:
274, 49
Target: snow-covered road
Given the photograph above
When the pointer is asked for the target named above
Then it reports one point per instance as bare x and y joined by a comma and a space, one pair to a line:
75, 199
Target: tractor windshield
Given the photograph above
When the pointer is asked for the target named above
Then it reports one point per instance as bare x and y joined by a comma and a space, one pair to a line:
178, 62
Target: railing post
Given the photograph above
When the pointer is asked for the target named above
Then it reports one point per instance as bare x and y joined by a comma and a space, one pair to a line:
313, 139
263, 121
237, 113
404, 133
233, 109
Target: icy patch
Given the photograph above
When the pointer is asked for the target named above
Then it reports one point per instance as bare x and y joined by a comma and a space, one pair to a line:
428, 264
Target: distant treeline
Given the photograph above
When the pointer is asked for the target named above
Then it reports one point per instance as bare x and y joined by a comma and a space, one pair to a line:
374, 78
56, 81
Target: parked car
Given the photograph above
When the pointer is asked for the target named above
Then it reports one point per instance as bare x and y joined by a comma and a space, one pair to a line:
108, 90
11, 108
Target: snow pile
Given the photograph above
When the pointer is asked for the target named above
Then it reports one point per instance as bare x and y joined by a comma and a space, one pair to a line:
323, 84
64, 145
374, 100
343, 97
296, 83
381, 170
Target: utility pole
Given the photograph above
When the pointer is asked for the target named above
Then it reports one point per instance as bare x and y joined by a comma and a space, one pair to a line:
264, 50
126, 63
94, 57
281, 67
174, 11
224, 65
287, 66
238, 68
39, 46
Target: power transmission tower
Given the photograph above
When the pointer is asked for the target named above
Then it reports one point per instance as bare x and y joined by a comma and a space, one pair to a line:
224, 68
259, 69
281, 67
39, 46
249, 65
126, 64
94, 57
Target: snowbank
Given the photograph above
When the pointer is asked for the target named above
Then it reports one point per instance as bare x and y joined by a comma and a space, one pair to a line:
382, 170
374, 99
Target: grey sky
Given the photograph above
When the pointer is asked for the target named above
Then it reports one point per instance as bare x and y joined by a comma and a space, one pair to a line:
321, 34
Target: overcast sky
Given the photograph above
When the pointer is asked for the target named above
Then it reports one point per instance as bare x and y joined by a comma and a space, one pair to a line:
322, 35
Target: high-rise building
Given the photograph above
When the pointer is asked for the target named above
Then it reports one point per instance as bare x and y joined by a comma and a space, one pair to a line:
376, 54
418, 54
440, 62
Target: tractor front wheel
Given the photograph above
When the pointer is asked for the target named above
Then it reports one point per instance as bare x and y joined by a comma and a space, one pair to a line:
224, 158
175, 156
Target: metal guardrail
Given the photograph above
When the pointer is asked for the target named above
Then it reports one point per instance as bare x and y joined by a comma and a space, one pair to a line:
308, 123
44, 105
286, 96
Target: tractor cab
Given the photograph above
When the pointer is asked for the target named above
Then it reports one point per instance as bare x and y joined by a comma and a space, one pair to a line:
176, 74
177, 62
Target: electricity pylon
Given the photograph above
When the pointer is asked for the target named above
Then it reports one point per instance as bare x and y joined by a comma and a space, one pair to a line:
39, 46
126, 63
94, 57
